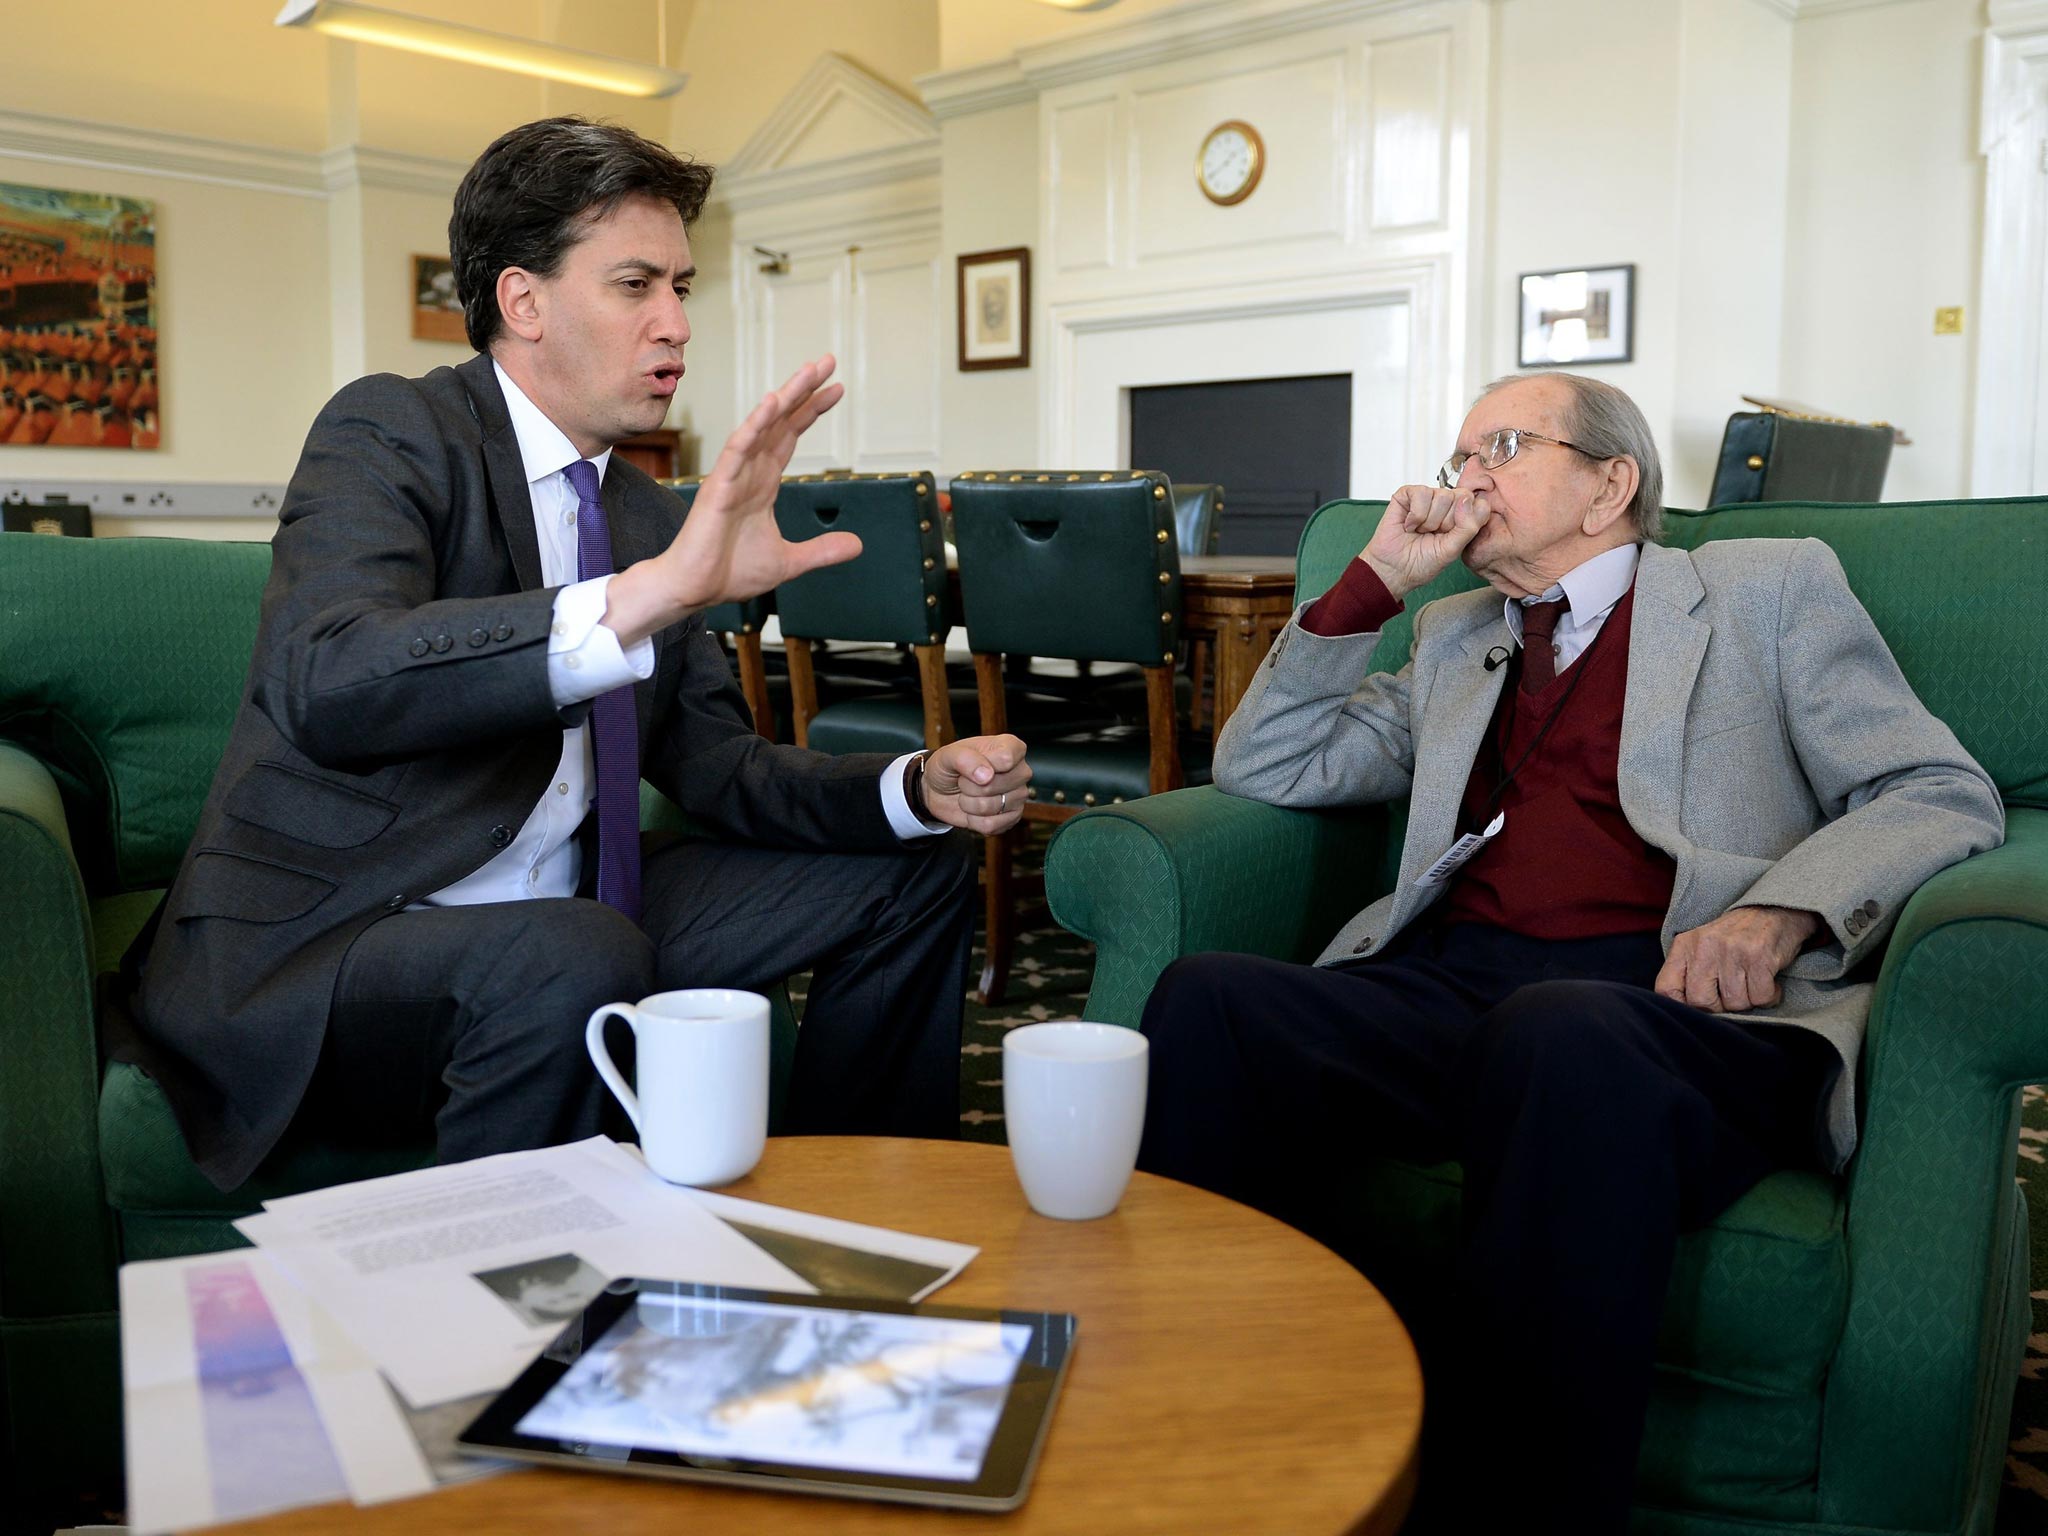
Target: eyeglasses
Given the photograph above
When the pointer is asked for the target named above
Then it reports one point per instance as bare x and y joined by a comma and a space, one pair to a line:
1497, 449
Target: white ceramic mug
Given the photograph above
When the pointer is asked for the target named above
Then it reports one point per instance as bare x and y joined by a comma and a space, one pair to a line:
701, 1059
1074, 1104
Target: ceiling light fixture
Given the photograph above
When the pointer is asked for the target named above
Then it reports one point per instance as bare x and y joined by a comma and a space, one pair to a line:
473, 45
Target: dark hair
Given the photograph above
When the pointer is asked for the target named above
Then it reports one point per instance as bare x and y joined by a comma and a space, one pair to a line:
534, 193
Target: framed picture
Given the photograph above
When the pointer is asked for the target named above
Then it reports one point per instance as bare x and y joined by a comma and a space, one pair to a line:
1583, 315
995, 309
436, 312
78, 360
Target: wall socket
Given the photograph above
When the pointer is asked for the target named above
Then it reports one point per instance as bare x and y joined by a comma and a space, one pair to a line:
1949, 322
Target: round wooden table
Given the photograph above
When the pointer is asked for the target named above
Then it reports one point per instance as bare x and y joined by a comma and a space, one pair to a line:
1229, 1374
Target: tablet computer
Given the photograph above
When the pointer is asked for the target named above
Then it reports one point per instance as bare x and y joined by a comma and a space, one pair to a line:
863, 1398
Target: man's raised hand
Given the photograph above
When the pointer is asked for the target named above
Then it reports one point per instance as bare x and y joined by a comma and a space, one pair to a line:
729, 547
1424, 528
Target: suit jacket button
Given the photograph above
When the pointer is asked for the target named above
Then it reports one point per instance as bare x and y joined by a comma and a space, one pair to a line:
395, 904
418, 647
443, 644
1362, 945
479, 636
502, 633
501, 836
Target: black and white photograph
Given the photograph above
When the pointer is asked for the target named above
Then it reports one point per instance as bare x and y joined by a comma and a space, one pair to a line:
1581, 315
545, 1292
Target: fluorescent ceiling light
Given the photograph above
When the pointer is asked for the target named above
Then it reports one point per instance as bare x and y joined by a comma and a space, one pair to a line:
473, 45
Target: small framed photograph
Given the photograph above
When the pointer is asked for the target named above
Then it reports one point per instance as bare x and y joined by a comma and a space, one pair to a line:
1583, 315
436, 311
995, 309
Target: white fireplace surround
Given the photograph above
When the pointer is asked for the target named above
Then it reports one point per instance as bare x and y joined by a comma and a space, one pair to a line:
1383, 329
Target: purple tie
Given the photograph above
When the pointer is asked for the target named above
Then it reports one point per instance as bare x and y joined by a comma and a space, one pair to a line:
614, 729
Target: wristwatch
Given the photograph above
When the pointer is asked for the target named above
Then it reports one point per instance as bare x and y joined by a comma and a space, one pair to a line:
913, 787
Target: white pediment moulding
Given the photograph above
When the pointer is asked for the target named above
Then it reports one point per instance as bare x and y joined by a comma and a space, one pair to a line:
221, 162
835, 86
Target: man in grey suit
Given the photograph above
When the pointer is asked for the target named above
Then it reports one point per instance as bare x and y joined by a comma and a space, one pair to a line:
420, 868
1664, 808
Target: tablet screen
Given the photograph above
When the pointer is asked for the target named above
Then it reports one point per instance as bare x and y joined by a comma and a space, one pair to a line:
854, 1390
862, 1397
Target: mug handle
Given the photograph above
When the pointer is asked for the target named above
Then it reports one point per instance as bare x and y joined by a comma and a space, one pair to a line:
593, 1040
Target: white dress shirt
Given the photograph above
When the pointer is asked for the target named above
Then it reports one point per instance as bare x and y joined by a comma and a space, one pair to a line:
1594, 588
584, 660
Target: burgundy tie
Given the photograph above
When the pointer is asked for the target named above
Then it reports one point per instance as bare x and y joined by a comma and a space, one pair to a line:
614, 728
1539, 660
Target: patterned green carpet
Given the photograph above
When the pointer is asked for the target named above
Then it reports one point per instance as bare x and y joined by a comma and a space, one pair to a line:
1050, 981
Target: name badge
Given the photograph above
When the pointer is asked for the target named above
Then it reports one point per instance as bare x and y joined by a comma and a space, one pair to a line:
1461, 853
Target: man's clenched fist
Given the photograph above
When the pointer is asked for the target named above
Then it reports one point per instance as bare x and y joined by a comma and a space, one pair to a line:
1424, 529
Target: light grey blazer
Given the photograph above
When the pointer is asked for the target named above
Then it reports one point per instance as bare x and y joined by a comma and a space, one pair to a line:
1769, 744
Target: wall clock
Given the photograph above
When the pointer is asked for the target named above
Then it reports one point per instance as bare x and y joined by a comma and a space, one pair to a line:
1228, 165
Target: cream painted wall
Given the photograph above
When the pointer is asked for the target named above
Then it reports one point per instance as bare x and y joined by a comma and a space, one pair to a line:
1584, 157
983, 31
1886, 214
244, 332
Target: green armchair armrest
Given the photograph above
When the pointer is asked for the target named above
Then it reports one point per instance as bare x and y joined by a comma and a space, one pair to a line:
1958, 1025
1196, 869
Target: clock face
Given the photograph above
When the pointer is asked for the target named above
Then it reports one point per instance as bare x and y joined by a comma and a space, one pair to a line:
1232, 157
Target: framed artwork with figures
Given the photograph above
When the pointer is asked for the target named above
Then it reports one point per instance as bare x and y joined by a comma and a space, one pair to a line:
995, 309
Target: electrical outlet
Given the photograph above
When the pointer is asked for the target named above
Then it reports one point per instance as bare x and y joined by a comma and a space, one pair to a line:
1949, 322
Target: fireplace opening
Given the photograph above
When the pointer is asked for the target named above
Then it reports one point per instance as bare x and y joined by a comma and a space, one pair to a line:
1280, 448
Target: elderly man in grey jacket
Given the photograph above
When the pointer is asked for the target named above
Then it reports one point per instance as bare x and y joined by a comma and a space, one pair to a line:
1664, 807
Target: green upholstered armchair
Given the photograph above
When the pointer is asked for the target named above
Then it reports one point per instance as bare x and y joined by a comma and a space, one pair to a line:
121, 666
1837, 1355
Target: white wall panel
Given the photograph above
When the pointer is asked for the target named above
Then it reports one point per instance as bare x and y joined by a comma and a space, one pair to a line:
803, 314
1409, 106
1298, 109
893, 380
1083, 183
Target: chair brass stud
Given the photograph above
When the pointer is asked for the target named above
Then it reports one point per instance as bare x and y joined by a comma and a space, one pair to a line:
1160, 535
1116, 799
1159, 493
1060, 795
931, 600
1030, 791
1100, 478
1137, 474
923, 489
1087, 799
1756, 461
936, 637
1165, 577
746, 629
1167, 658
928, 562
924, 525
1044, 479
1166, 618
1072, 478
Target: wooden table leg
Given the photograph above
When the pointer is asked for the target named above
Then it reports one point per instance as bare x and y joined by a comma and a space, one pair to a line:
1239, 650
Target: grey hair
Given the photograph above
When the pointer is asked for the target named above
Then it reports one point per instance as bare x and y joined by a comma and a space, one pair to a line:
1608, 425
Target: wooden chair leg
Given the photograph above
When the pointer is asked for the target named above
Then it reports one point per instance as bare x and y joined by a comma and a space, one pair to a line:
754, 681
999, 891
803, 688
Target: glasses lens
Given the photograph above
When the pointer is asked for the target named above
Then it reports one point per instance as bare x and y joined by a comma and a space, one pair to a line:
1501, 447
1447, 476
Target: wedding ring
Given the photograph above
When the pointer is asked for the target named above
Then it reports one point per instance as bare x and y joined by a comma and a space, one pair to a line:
1003, 802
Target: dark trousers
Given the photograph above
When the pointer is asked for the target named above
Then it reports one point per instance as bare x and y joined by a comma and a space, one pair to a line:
1595, 1121
470, 1020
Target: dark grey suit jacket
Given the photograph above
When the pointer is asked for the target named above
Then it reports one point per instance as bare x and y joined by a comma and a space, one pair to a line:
397, 729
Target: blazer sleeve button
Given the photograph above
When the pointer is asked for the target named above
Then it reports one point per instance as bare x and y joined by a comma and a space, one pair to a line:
443, 644
502, 633
418, 647
1871, 909
478, 636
